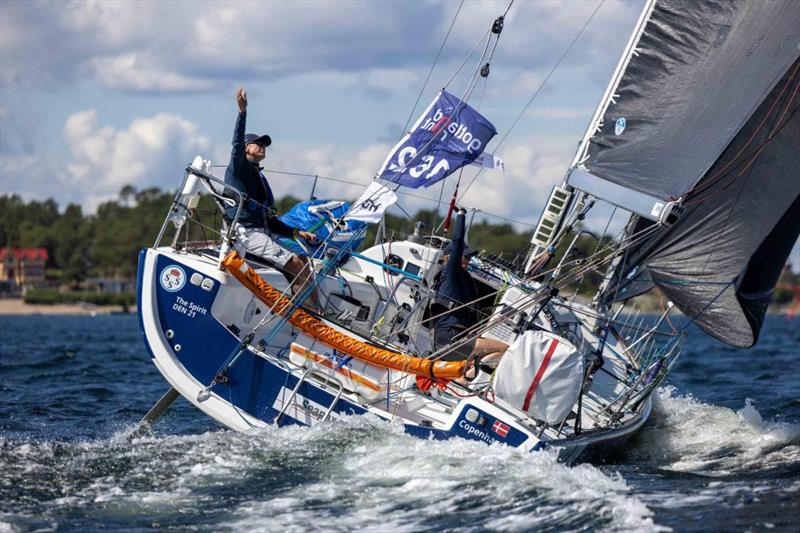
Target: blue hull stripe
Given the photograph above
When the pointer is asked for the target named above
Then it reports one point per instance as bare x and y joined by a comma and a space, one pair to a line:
255, 383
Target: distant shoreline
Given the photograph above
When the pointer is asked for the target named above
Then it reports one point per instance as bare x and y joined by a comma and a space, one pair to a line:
15, 306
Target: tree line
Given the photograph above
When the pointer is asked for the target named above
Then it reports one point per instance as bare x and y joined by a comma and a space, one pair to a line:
104, 244
107, 243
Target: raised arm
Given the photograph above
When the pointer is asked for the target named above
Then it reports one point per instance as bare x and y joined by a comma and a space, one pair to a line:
457, 244
237, 152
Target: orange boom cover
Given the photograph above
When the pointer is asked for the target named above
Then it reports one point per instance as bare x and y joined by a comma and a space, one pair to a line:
333, 338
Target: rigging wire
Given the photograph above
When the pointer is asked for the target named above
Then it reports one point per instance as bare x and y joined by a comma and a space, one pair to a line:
750, 158
496, 29
747, 162
466, 59
603, 234
430, 72
719, 174
402, 193
390, 181
538, 89
524, 303
536, 297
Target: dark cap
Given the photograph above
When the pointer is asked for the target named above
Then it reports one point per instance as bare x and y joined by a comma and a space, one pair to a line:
259, 139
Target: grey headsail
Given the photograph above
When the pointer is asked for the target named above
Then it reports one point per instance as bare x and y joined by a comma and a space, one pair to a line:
693, 75
719, 263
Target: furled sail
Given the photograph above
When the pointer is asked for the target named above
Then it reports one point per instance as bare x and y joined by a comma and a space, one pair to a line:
721, 260
693, 75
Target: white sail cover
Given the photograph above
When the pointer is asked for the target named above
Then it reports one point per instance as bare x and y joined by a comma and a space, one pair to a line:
540, 374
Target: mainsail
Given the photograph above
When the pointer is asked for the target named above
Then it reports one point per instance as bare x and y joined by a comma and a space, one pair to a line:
720, 261
693, 76
705, 110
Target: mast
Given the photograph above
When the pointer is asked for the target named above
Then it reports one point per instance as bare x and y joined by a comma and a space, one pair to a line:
578, 177
561, 197
608, 95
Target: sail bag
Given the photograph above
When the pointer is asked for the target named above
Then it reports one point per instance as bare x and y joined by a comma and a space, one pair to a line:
541, 374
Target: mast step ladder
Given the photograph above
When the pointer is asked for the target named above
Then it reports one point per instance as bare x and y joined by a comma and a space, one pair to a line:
322, 377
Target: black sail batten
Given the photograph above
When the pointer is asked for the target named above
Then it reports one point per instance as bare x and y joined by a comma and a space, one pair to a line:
719, 263
698, 72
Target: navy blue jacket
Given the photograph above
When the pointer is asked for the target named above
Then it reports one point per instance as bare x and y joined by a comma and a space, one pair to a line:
246, 177
455, 284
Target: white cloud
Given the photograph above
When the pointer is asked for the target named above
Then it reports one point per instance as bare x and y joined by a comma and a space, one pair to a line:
196, 45
328, 161
152, 151
139, 73
519, 193
562, 112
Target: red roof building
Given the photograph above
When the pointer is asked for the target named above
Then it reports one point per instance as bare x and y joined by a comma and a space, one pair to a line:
22, 266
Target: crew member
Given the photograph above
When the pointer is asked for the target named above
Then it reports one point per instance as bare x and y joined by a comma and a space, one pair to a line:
258, 221
457, 295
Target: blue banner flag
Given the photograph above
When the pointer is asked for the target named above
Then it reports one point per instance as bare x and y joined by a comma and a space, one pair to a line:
448, 135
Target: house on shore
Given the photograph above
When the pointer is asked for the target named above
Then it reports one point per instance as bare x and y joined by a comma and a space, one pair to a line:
22, 267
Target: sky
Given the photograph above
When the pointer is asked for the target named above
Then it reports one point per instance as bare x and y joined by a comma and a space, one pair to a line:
96, 95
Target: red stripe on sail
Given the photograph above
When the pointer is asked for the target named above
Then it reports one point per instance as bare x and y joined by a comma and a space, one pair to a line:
539, 374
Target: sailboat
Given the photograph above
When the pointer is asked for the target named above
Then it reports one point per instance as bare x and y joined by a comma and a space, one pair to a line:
696, 138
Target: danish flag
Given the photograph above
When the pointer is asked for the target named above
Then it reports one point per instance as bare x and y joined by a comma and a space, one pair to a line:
500, 428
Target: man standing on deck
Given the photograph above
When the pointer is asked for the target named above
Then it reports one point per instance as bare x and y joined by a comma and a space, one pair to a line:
258, 221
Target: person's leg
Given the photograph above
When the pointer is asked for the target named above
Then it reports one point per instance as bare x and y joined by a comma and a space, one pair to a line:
300, 274
485, 350
449, 341
489, 349
296, 269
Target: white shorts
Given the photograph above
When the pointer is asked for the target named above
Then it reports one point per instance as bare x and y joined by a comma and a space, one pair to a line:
260, 243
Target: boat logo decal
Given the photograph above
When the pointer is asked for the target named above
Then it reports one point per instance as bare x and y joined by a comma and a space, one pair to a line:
619, 126
172, 278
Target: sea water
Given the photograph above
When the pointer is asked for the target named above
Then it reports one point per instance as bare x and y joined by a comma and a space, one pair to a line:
720, 453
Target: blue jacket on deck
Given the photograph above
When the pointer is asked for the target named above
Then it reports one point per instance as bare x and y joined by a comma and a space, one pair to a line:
455, 284
246, 176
